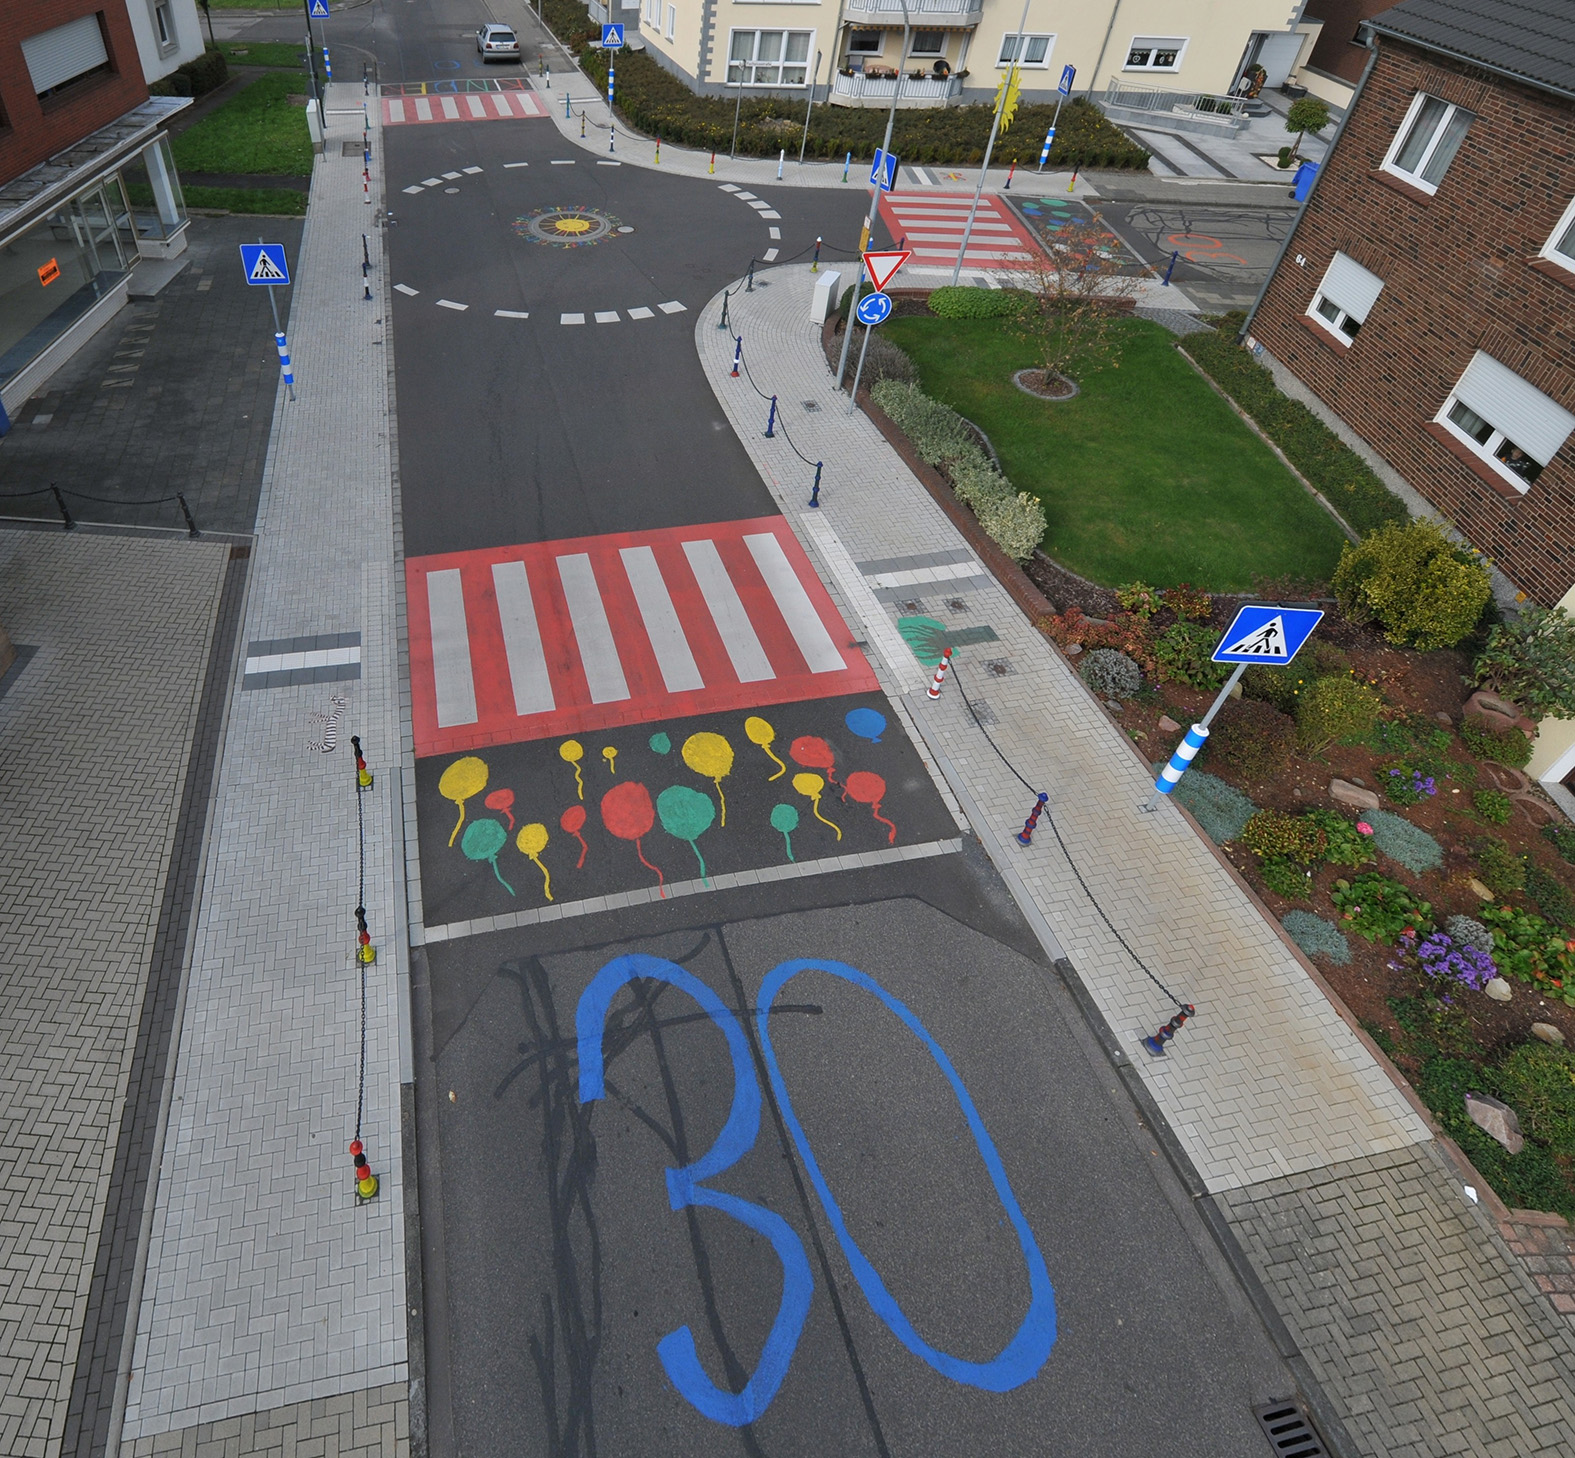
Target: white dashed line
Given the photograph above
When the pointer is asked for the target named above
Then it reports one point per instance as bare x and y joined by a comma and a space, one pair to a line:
516, 164
672, 307
760, 207
470, 171
450, 304
509, 314
430, 181
571, 318
769, 256
606, 316
728, 186
769, 214
605, 163
563, 161
450, 176
416, 188
406, 290
743, 196
774, 232
641, 313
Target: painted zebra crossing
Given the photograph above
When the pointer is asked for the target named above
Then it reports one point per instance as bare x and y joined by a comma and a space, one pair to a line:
511, 644
933, 224
467, 106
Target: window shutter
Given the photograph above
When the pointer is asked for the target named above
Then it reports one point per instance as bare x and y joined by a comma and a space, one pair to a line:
1351, 286
66, 51
1535, 423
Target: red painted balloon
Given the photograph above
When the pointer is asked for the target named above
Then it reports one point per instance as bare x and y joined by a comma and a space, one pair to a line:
573, 819
870, 789
812, 753
502, 800
627, 810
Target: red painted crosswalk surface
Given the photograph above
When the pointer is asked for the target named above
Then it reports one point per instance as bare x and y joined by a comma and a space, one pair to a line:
463, 106
933, 223
516, 643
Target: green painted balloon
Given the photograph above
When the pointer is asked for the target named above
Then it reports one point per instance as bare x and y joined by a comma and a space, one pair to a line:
661, 744
784, 818
482, 841
685, 813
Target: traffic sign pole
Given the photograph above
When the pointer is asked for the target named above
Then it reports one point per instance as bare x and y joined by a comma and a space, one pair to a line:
858, 374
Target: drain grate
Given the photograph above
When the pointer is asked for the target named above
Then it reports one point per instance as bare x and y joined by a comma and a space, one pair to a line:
1289, 1432
350, 149
812, 405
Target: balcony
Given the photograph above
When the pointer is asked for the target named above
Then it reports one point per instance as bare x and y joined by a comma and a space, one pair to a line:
861, 90
889, 12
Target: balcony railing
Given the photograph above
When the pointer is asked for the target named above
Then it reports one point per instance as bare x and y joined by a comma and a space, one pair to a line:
861, 90
958, 12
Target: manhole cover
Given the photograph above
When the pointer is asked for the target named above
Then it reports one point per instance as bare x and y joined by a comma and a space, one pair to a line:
565, 227
812, 405
346, 149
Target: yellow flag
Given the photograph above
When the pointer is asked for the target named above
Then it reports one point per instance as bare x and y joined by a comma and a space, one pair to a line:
1010, 86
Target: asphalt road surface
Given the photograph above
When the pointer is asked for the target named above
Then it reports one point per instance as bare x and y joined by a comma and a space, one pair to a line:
1224, 253
722, 1149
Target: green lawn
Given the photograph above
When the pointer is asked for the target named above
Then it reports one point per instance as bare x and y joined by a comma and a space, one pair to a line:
282, 54
260, 130
1146, 476
276, 202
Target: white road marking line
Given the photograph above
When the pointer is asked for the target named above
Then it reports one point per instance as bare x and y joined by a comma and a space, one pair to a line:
453, 685
450, 176
522, 640
672, 307
500, 104
516, 164
641, 313
450, 304
450, 107
470, 171
804, 623
742, 195
431, 181
605, 163
563, 161
423, 109
396, 111
915, 575
406, 290
679, 670
774, 232
592, 632
606, 316
477, 107
760, 207
769, 256
417, 188
571, 318
509, 314
728, 186
727, 612
311, 658
770, 214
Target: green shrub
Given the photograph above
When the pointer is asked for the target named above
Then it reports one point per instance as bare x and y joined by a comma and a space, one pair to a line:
1405, 844
1551, 895
1286, 879
1335, 708
1182, 655
1406, 784
959, 301
1187, 601
1378, 909
1507, 746
1252, 737
1498, 867
1222, 810
1420, 587
1467, 931
1538, 1082
1110, 675
207, 72
1530, 659
1316, 451
888, 361
1139, 599
1316, 936
1344, 844
1273, 833
1562, 838
937, 432
1282, 685
1016, 524
1533, 950
1494, 806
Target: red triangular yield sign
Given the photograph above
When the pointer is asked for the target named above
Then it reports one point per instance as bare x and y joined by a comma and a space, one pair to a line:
881, 266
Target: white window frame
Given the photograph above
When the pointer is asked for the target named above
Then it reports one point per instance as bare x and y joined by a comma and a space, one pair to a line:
1403, 135
1487, 450
1564, 232
754, 63
671, 28
1155, 45
1334, 323
164, 24
1003, 56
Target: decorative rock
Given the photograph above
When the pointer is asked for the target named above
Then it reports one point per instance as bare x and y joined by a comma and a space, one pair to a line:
1445, 720
1167, 724
1073, 648
1113, 706
1498, 989
1492, 712
1482, 891
1496, 1119
1342, 792
1548, 1034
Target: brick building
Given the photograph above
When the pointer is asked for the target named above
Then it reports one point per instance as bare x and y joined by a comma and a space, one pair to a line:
1425, 300
87, 184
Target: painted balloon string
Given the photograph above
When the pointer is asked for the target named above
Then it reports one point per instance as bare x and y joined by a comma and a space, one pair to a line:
810, 786
785, 819
483, 840
870, 789
571, 751
462, 779
502, 800
532, 841
573, 820
761, 733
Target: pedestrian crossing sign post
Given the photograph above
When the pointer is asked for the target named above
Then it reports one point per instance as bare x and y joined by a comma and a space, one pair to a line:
264, 264
612, 37
883, 171
1260, 633
318, 10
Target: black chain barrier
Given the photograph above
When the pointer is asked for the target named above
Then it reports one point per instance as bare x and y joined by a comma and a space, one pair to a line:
68, 522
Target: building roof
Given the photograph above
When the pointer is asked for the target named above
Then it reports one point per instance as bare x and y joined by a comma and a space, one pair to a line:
1531, 40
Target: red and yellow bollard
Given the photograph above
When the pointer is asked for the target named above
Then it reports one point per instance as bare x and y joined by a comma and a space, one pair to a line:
365, 1180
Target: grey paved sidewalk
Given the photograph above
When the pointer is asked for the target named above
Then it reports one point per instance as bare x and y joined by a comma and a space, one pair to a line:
95, 729
1426, 1334
270, 1291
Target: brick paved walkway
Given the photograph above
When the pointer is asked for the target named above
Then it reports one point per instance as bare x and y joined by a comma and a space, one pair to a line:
1426, 1334
175, 394
272, 1297
95, 731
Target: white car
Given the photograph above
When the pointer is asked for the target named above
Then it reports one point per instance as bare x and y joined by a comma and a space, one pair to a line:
497, 43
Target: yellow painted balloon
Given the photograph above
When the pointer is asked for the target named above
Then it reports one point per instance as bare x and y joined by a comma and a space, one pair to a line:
712, 756
462, 779
765, 736
532, 840
810, 786
611, 756
572, 752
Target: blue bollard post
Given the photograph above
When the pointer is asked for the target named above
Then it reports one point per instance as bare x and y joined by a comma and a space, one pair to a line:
565, 106
815, 266
738, 354
847, 163
749, 287
328, 66
1185, 753
814, 491
284, 364
1025, 836
1170, 267
1156, 1044
771, 420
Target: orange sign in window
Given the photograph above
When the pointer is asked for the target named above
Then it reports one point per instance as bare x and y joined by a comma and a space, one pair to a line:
49, 273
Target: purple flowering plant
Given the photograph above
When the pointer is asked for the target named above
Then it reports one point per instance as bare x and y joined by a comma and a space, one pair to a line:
1408, 786
1445, 960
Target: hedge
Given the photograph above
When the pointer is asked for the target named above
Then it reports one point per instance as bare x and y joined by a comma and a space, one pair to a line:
197, 77
656, 102
1317, 452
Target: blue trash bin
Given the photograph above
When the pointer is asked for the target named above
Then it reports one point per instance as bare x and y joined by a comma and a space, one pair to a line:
1304, 180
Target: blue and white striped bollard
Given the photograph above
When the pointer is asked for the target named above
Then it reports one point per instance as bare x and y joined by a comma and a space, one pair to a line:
328, 65
284, 364
1185, 753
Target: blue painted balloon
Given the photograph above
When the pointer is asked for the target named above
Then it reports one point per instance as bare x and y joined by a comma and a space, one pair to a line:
867, 724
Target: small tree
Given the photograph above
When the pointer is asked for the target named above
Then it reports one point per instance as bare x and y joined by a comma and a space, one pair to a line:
1070, 307
1306, 114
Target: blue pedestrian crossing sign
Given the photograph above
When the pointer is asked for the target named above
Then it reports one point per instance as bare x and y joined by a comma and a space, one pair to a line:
1068, 75
612, 37
263, 263
1266, 634
873, 309
319, 10
883, 170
